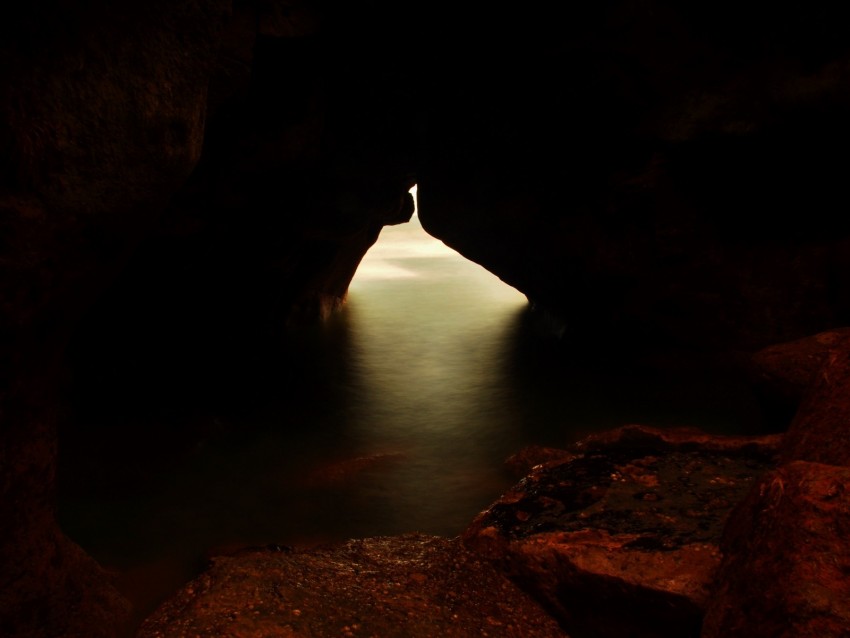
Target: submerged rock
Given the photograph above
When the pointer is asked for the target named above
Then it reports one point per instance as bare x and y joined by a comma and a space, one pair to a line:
340, 471
787, 558
405, 586
632, 524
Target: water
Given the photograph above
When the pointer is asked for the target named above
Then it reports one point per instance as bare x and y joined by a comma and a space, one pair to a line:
394, 417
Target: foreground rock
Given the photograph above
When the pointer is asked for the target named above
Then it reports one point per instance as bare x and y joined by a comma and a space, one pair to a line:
819, 431
787, 561
631, 524
781, 374
408, 586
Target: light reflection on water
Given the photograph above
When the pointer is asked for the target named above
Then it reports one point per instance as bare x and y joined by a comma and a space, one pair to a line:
394, 417
429, 331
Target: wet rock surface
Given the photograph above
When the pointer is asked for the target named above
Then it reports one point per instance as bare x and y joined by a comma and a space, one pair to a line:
634, 527
407, 586
787, 558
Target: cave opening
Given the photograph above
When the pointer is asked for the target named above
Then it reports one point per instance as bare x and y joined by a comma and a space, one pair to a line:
392, 416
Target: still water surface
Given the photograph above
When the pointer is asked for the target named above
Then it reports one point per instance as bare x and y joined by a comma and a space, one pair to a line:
395, 417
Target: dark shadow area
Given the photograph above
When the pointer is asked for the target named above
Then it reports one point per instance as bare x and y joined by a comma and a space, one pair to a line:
589, 386
188, 425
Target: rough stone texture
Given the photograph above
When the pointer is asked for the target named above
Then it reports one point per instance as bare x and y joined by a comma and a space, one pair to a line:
634, 529
405, 587
784, 372
787, 558
820, 431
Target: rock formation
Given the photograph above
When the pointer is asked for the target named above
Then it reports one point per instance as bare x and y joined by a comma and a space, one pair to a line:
630, 523
161, 131
784, 570
649, 170
786, 564
103, 118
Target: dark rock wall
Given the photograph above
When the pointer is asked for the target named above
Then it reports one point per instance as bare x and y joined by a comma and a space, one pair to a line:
670, 171
298, 173
103, 113
196, 156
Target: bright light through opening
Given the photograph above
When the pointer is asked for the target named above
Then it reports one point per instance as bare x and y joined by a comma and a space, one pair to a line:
395, 253
413, 192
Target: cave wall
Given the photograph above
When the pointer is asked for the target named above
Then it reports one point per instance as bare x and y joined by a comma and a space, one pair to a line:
196, 154
307, 155
649, 171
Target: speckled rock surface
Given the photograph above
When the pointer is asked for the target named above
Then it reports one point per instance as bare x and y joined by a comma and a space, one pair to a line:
634, 528
787, 558
407, 586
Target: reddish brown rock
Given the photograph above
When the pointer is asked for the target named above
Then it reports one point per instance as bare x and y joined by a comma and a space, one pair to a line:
634, 437
634, 528
783, 373
787, 558
522, 462
820, 431
406, 587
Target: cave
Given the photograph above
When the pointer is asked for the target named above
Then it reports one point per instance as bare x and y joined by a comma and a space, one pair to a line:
188, 190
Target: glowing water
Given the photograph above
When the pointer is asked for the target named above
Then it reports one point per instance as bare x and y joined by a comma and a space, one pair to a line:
394, 417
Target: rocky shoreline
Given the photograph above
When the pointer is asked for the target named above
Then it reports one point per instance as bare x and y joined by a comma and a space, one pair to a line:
638, 532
